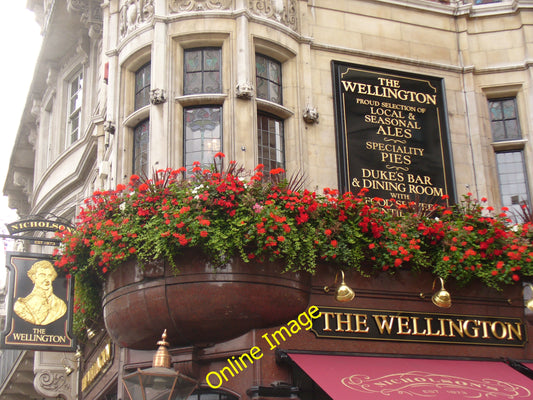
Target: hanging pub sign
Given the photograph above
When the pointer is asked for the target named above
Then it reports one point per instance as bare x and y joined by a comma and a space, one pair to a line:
22, 229
392, 135
39, 305
351, 323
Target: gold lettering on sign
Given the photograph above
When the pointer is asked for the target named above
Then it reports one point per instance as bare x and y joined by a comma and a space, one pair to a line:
103, 360
409, 325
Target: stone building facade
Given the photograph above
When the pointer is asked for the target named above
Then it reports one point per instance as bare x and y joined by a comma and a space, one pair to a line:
128, 86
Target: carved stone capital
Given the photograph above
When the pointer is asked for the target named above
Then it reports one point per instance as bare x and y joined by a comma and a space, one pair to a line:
310, 115
244, 90
158, 96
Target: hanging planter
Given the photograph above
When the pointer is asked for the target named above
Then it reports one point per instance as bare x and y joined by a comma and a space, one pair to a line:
199, 305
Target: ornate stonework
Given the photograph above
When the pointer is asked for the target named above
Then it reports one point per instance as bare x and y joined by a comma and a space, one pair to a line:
157, 96
177, 6
244, 90
51, 377
91, 14
135, 13
283, 11
310, 115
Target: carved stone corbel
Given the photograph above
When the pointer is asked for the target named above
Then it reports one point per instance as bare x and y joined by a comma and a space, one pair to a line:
23, 180
244, 90
310, 115
51, 77
51, 378
158, 96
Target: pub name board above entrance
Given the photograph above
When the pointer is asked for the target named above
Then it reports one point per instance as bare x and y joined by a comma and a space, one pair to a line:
351, 323
392, 135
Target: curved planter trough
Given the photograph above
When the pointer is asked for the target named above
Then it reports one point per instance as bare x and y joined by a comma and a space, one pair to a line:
199, 305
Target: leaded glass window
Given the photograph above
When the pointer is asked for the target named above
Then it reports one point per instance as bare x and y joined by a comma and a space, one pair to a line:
203, 134
270, 142
202, 72
504, 119
268, 79
513, 179
142, 86
510, 161
75, 95
141, 142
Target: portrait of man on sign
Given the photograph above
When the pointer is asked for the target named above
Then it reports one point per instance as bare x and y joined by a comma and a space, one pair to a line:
41, 306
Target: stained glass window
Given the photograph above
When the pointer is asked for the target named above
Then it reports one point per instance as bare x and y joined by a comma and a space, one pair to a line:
504, 119
75, 94
202, 73
141, 142
142, 86
203, 135
268, 79
270, 142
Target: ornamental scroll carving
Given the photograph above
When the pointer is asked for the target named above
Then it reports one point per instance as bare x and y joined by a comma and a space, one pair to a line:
177, 6
135, 13
283, 11
51, 378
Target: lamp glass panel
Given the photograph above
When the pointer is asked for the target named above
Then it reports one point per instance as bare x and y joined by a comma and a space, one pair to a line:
133, 386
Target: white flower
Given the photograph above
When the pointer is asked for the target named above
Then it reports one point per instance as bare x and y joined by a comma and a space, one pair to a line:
197, 188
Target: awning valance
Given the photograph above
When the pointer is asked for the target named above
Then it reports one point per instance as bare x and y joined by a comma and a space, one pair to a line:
375, 378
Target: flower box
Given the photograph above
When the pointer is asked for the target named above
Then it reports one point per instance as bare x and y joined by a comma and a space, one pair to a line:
199, 305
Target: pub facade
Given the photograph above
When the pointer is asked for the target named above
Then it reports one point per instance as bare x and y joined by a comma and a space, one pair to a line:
413, 101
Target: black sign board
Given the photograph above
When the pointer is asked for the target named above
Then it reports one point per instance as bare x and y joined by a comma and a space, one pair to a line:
39, 309
392, 135
351, 323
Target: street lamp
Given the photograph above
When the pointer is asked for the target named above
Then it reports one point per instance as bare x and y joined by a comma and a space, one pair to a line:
159, 382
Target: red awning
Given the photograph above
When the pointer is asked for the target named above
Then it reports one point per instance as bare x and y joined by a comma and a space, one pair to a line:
376, 378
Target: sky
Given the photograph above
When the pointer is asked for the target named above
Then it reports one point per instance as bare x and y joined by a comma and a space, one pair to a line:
20, 45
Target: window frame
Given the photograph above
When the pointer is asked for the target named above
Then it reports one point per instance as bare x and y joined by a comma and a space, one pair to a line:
146, 88
185, 140
73, 134
503, 120
132, 117
202, 72
270, 61
515, 144
143, 151
273, 163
